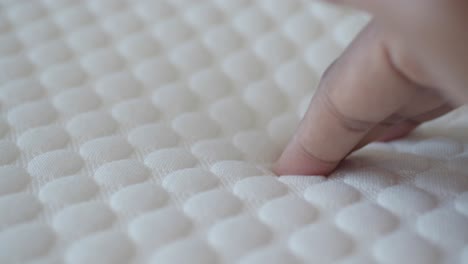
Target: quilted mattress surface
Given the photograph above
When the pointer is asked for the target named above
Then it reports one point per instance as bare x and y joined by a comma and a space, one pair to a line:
145, 132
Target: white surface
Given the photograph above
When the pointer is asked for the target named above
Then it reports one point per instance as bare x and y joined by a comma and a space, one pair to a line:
144, 131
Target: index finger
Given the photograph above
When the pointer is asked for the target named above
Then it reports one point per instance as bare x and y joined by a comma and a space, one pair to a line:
361, 89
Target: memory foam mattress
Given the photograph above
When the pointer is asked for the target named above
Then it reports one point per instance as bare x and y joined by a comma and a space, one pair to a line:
145, 131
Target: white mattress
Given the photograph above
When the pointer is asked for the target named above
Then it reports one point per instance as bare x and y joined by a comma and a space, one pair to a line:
144, 132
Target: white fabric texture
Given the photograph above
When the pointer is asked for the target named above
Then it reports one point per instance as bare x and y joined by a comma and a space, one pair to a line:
144, 132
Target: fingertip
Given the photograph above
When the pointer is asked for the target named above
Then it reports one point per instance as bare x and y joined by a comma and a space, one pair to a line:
295, 161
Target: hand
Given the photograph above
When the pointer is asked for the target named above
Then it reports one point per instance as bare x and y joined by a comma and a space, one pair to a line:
409, 65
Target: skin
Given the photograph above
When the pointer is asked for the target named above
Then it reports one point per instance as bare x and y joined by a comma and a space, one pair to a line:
409, 65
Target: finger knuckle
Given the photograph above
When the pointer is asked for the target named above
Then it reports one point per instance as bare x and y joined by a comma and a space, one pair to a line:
349, 124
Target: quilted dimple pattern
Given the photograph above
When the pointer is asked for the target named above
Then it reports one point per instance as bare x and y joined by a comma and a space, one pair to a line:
145, 132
